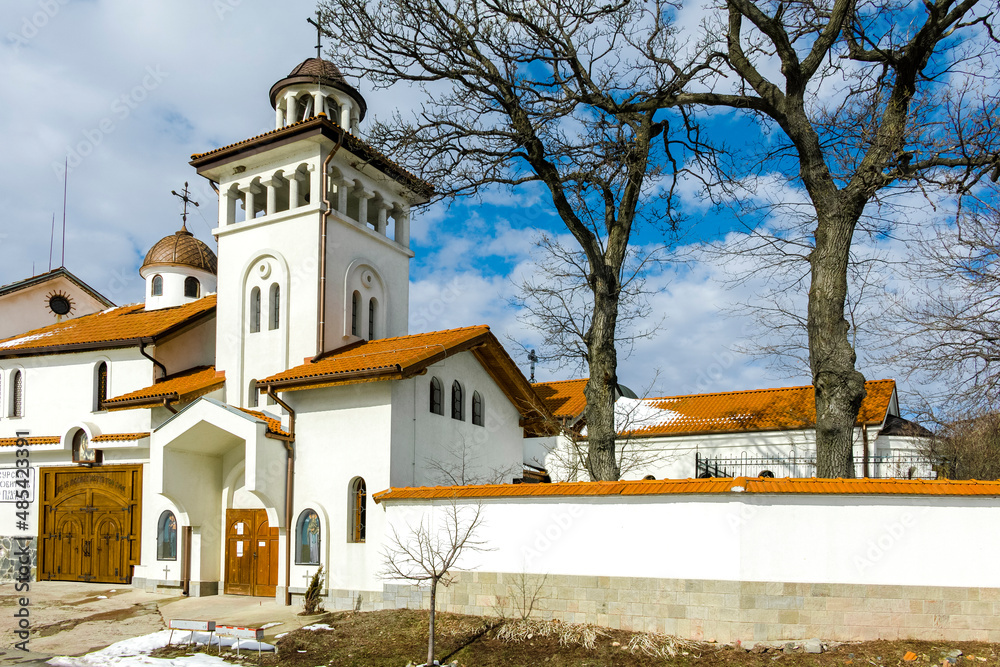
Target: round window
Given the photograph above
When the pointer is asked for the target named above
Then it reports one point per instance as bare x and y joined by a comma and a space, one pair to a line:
59, 304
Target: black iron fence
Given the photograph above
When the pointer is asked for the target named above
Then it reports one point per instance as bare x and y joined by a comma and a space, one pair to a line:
893, 466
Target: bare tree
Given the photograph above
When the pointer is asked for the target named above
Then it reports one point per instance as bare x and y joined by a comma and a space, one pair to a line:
460, 465
967, 448
427, 553
523, 92
945, 332
856, 104
556, 300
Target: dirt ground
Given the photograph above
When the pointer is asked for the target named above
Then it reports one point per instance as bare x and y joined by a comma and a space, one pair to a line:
69, 618
394, 638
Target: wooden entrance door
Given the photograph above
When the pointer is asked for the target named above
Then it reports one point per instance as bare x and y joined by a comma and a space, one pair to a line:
89, 527
251, 554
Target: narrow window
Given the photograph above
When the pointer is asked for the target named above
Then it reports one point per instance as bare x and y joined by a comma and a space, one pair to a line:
275, 319
100, 386
332, 109
355, 298
437, 397
371, 319
192, 288
255, 310
477, 409
457, 404
307, 536
17, 399
166, 537
359, 497
157, 285
252, 394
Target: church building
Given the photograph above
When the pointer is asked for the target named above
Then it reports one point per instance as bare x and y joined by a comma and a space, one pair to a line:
225, 435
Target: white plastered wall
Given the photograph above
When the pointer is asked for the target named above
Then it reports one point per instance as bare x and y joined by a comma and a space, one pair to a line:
737, 537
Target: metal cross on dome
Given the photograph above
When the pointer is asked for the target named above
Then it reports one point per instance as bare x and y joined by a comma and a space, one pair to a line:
186, 198
319, 36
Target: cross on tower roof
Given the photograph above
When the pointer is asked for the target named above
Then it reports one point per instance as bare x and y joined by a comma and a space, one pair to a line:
319, 36
186, 198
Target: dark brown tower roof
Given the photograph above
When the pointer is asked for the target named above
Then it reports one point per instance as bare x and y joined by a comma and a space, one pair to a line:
182, 249
328, 74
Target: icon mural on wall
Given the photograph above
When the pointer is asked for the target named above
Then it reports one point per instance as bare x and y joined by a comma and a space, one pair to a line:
82, 452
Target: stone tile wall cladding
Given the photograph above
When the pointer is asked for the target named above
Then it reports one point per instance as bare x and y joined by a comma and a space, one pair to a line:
9, 560
721, 610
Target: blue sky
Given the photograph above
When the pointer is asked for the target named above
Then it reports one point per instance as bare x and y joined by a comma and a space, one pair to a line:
129, 90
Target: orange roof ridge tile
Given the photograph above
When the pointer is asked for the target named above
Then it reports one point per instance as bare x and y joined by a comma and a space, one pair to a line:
753, 391
715, 485
186, 384
560, 381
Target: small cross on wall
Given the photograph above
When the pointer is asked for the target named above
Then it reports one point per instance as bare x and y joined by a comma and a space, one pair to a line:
166, 572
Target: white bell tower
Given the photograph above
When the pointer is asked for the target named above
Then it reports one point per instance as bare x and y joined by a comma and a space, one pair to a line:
313, 232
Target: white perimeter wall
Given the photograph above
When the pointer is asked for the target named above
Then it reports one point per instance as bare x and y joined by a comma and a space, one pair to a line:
927, 541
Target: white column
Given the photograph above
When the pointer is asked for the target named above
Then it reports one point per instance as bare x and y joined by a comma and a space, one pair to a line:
272, 195
317, 103
401, 217
227, 214
293, 189
290, 108
343, 185
363, 197
279, 117
250, 192
383, 210
345, 116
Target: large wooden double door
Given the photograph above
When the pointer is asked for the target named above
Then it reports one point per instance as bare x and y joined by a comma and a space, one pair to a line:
251, 554
89, 523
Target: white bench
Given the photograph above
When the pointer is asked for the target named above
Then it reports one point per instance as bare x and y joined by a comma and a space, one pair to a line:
256, 634
192, 626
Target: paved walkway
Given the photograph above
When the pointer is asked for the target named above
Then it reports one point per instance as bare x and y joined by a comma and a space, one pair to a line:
69, 618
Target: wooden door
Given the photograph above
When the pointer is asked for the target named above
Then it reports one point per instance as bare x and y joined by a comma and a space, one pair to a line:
251, 554
90, 521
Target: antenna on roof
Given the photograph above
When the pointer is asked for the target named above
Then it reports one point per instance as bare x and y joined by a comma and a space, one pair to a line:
532, 357
65, 184
185, 197
52, 238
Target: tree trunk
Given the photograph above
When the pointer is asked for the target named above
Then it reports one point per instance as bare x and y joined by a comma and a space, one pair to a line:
840, 388
430, 629
602, 359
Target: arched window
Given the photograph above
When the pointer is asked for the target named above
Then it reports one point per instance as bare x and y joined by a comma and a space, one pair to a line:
192, 288
166, 537
457, 402
477, 409
255, 310
275, 319
307, 536
17, 395
355, 300
359, 498
252, 394
437, 397
303, 108
371, 318
100, 386
157, 289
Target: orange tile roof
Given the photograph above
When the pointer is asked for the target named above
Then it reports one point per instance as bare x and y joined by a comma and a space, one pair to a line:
117, 327
352, 143
36, 440
183, 386
564, 398
380, 359
405, 356
904, 487
273, 424
120, 437
781, 409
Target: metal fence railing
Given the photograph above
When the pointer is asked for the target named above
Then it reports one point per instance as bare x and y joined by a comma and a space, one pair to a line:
893, 466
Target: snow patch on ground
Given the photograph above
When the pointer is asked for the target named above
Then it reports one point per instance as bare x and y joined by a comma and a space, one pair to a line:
135, 652
318, 626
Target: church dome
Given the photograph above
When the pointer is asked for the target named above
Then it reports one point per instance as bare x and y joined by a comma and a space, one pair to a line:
182, 249
328, 74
